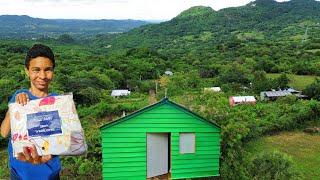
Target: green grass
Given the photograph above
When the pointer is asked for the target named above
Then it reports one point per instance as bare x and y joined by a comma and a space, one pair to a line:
4, 171
303, 148
298, 82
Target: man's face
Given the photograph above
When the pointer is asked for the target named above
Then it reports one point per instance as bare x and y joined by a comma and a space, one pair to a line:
40, 73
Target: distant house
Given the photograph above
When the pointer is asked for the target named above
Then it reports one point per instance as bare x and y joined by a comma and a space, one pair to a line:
168, 73
213, 89
163, 138
273, 95
234, 100
293, 91
120, 92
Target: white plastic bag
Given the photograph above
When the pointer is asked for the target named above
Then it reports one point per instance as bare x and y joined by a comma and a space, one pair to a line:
51, 124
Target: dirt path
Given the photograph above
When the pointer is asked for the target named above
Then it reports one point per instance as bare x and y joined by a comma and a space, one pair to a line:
152, 97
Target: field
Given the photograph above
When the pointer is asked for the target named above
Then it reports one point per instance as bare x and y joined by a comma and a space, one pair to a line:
298, 82
303, 148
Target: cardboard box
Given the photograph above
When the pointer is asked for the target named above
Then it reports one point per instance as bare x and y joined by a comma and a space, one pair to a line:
51, 124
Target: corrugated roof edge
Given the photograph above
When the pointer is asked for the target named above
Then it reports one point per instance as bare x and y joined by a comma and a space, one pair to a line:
147, 108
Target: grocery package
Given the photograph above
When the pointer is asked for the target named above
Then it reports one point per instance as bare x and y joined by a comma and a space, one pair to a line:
51, 124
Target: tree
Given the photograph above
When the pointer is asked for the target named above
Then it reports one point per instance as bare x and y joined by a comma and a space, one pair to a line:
209, 71
282, 81
260, 82
235, 74
265, 64
313, 90
164, 81
65, 39
273, 165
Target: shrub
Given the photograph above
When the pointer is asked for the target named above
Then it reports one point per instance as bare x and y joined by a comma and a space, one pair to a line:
313, 90
87, 96
145, 86
274, 165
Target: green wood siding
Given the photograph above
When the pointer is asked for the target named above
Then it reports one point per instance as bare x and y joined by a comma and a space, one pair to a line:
124, 144
203, 163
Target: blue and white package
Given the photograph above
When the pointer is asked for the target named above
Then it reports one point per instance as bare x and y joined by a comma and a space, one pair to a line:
51, 124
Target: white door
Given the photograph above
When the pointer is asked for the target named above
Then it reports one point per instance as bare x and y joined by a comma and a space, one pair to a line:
157, 154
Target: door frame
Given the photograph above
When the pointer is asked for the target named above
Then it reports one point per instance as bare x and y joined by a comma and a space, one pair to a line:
169, 150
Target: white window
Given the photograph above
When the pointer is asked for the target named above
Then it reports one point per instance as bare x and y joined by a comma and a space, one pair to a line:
187, 142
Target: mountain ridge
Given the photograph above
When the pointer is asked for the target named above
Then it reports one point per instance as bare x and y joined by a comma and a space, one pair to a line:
269, 17
22, 26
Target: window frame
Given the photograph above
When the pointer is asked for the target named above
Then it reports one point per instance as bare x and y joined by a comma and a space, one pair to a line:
194, 143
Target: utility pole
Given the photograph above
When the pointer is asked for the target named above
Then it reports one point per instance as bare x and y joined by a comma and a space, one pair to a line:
156, 86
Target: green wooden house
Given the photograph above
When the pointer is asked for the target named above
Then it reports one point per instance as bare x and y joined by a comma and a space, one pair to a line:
163, 138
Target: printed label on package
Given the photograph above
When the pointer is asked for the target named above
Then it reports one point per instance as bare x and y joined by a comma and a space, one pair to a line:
45, 123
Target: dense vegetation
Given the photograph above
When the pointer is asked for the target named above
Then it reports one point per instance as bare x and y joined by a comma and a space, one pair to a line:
263, 35
235, 48
295, 144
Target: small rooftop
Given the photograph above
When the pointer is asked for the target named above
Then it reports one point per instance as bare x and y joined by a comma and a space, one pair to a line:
277, 93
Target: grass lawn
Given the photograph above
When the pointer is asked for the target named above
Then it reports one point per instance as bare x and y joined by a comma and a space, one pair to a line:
298, 82
303, 148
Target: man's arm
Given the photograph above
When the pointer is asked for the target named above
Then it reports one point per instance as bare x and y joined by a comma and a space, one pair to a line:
5, 125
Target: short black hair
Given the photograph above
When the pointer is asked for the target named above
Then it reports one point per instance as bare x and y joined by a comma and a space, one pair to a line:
39, 50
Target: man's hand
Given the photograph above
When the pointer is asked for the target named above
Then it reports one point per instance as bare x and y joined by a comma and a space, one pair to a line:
31, 155
22, 98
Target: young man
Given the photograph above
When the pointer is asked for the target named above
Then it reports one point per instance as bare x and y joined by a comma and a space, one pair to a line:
39, 67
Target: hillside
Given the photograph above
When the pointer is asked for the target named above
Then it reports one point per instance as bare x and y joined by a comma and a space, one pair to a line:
276, 34
27, 27
274, 20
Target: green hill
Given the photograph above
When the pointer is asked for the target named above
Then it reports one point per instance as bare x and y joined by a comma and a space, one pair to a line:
284, 34
196, 11
273, 19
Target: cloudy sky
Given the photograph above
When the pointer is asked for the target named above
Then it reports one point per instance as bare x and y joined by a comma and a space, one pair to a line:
109, 9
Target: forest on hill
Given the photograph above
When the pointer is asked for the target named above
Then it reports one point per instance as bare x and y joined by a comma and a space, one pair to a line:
236, 49
264, 35
25, 27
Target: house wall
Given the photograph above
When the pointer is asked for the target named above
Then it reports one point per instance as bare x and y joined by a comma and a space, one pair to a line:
203, 163
124, 145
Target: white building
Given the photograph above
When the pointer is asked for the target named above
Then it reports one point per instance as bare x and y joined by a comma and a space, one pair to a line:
234, 100
213, 89
120, 92
168, 73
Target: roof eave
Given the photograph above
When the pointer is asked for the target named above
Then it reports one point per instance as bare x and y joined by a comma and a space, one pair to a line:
163, 101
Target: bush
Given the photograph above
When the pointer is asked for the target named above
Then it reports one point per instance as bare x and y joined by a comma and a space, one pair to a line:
313, 90
145, 86
233, 164
89, 167
179, 82
81, 167
87, 96
273, 165
281, 82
